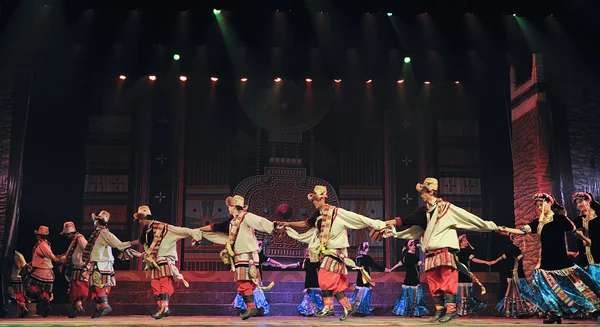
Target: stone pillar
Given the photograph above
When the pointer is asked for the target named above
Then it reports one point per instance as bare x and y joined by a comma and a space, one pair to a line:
531, 146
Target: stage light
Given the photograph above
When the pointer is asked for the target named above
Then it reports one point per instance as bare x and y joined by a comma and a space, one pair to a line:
456, 82
369, 81
427, 82
176, 57
406, 60
214, 79
389, 14
400, 81
309, 80
152, 77
514, 15
337, 80
122, 77
183, 78
216, 11
243, 79
277, 80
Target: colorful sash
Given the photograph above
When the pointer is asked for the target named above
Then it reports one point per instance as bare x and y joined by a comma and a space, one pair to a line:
159, 229
85, 258
234, 228
72, 248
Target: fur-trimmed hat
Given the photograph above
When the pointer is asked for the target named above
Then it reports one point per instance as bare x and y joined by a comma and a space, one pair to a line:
236, 200
68, 227
320, 191
142, 213
103, 215
42, 230
429, 183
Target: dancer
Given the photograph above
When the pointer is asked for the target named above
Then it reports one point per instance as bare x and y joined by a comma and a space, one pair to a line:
588, 230
411, 301
260, 301
39, 279
15, 287
466, 301
437, 221
332, 224
241, 248
98, 262
518, 300
73, 268
361, 298
560, 286
160, 251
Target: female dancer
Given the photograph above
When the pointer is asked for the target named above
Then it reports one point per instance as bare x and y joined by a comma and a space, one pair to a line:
518, 300
466, 301
361, 299
560, 286
312, 302
588, 230
411, 301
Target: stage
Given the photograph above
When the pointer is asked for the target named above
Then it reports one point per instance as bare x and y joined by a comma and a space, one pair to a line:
272, 321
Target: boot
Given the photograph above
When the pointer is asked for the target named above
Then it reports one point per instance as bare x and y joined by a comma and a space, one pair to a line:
325, 312
253, 312
348, 309
162, 312
43, 308
440, 309
450, 301
554, 318
101, 311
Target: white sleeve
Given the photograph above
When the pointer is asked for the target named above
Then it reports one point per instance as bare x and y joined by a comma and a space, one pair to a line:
304, 237
353, 220
215, 237
82, 242
184, 232
259, 223
411, 233
468, 221
112, 241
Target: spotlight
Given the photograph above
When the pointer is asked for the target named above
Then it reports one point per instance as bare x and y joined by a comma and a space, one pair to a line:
182, 78
216, 11
243, 79
152, 77
337, 80
400, 81
389, 14
369, 81
176, 57
456, 82
122, 77
277, 80
427, 82
406, 60
308, 80
214, 79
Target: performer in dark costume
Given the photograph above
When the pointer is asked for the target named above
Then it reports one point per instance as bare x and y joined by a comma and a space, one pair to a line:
466, 301
361, 299
79, 284
518, 300
560, 286
411, 301
15, 286
588, 230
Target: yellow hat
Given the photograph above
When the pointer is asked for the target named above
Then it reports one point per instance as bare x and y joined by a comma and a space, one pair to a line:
318, 192
103, 215
429, 183
236, 200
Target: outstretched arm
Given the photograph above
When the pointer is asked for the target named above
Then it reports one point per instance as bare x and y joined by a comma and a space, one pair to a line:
411, 233
184, 232
512, 230
466, 220
585, 239
394, 267
259, 223
353, 220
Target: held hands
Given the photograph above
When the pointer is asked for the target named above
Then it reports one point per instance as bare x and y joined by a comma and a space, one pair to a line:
587, 242
387, 270
134, 242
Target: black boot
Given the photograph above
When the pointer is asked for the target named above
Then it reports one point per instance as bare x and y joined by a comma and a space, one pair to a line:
449, 315
250, 312
163, 310
347, 311
438, 300
43, 308
102, 311
554, 318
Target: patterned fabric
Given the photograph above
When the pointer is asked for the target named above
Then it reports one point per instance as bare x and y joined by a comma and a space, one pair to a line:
566, 291
594, 271
247, 272
165, 269
77, 274
102, 279
518, 299
260, 301
331, 264
85, 257
43, 284
411, 302
328, 216
16, 284
159, 230
586, 228
466, 302
312, 302
440, 258
361, 300
72, 247
234, 228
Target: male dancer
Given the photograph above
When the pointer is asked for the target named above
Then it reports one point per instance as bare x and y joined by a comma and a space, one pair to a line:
437, 221
160, 249
331, 248
73, 268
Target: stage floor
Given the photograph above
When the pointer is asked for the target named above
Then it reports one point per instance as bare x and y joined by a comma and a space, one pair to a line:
139, 321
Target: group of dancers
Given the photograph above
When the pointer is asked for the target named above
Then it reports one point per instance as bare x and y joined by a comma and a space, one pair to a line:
560, 287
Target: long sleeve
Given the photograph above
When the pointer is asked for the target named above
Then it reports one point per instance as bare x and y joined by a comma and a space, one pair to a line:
305, 237
217, 238
222, 227
373, 264
47, 252
468, 221
184, 232
417, 218
411, 233
112, 241
353, 220
82, 242
259, 223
